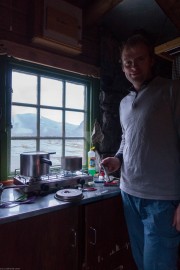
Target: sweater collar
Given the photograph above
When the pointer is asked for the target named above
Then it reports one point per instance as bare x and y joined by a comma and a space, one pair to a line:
145, 83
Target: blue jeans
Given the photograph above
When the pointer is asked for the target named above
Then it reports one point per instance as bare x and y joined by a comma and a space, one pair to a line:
154, 241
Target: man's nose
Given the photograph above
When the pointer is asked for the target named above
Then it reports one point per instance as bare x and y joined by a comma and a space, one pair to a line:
134, 64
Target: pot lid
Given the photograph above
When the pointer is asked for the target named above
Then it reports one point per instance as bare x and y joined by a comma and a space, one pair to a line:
37, 153
69, 195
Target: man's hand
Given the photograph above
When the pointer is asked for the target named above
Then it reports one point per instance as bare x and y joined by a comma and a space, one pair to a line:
176, 220
112, 163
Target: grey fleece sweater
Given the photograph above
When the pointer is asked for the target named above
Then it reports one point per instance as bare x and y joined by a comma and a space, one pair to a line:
150, 120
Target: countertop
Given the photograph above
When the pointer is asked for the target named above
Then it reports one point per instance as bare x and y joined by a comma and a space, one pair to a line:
48, 203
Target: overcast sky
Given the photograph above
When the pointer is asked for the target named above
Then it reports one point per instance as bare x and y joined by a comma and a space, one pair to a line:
25, 90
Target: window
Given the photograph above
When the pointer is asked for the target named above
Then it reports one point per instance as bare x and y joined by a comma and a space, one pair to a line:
49, 113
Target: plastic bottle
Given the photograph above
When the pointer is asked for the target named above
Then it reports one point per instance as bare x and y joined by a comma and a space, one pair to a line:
92, 161
101, 175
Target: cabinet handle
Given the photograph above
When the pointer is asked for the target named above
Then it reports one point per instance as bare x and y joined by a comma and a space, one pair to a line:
93, 242
75, 238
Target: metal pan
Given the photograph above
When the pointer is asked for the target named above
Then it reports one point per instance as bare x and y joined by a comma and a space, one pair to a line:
71, 163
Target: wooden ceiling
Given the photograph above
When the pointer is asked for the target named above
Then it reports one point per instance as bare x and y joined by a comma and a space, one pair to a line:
96, 9
160, 18
172, 10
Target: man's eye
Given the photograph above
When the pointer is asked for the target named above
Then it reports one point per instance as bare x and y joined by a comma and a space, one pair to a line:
128, 63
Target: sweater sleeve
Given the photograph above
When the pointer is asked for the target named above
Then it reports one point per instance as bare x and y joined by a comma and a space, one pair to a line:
119, 153
175, 103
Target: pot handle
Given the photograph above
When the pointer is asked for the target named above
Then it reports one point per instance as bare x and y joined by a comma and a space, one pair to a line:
51, 153
47, 161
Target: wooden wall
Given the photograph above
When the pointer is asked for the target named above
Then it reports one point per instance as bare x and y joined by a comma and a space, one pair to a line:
20, 20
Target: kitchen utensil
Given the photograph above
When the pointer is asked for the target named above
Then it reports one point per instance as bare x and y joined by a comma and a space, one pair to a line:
35, 164
10, 204
2, 187
71, 163
106, 173
69, 195
89, 189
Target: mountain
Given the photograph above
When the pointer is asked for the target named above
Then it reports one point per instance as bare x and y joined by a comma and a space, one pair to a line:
25, 125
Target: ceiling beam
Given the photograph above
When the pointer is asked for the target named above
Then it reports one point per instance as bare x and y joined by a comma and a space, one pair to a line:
172, 10
96, 10
169, 49
170, 45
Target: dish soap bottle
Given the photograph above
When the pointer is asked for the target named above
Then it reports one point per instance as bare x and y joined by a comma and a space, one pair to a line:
92, 161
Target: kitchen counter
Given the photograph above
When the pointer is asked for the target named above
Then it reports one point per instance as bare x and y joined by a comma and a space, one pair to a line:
52, 234
48, 203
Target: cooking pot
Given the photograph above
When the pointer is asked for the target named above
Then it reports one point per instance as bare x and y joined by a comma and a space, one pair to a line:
35, 164
71, 163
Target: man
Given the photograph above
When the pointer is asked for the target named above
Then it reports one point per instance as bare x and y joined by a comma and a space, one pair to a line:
149, 158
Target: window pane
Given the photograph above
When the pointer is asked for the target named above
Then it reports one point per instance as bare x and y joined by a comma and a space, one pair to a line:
74, 126
51, 92
24, 121
50, 123
52, 117
75, 148
24, 88
75, 96
51, 146
17, 148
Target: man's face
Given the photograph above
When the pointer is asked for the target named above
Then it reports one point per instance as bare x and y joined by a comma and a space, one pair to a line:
137, 64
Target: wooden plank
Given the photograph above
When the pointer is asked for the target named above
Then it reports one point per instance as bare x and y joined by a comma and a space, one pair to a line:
62, 23
54, 60
172, 10
100, 7
173, 44
164, 50
60, 46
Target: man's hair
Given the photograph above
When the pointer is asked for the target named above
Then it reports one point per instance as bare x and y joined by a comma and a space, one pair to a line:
135, 40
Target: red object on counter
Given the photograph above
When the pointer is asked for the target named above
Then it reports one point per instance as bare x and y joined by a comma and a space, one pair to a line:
89, 189
113, 183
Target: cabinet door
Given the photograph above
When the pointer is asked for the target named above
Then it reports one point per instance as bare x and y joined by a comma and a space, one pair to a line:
44, 242
107, 243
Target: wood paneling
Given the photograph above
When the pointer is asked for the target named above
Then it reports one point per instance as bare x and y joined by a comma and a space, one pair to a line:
172, 10
169, 49
42, 242
20, 19
96, 10
48, 59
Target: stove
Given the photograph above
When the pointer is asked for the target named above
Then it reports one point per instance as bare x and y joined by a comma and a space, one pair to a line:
54, 181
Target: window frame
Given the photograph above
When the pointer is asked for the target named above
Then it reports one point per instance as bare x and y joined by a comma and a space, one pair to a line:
7, 64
